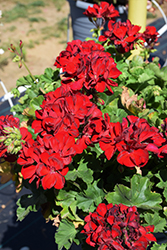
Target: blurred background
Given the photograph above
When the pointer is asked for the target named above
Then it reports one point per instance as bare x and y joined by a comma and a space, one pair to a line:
41, 25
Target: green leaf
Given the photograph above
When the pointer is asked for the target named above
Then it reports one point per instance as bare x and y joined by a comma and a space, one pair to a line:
138, 70
90, 199
47, 76
139, 194
23, 99
156, 246
66, 198
26, 80
72, 175
83, 172
31, 93
15, 92
36, 102
145, 77
154, 219
162, 176
65, 234
28, 203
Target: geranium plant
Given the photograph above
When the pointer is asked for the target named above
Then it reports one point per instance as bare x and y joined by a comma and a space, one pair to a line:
89, 139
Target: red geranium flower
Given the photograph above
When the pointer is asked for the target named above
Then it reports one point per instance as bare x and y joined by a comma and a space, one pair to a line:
133, 143
122, 35
62, 113
117, 227
150, 36
87, 66
103, 11
45, 159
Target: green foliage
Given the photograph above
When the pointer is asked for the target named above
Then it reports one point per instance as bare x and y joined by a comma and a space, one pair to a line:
37, 4
90, 198
30, 202
156, 220
139, 194
156, 246
149, 82
33, 97
65, 234
83, 172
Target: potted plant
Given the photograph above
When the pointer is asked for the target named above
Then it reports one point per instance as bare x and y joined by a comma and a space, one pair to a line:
89, 140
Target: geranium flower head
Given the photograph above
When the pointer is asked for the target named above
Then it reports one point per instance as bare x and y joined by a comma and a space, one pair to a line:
116, 227
102, 11
123, 35
88, 67
133, 142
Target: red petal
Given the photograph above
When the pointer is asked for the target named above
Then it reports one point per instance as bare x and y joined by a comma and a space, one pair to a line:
101, 209
28, 172
48, 181
60, 181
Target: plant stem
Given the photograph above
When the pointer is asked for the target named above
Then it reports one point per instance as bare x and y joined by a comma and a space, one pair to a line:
28, 70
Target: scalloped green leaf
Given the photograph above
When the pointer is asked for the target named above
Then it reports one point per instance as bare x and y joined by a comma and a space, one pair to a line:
146, 76
92, 196
36, 102
162, 176
28, 203
154, 219
25, 80
65, 234
139, 194
83, 172
156, 246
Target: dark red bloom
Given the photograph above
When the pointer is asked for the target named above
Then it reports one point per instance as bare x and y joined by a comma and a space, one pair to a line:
103, 11
86, 64
123, 35
150, 36
66, 112
117, 227
45, 159
134, 142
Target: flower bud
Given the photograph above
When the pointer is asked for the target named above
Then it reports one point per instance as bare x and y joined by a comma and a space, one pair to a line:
12, 48
2, 138
10, 148
7, 141
7, 130
21, 44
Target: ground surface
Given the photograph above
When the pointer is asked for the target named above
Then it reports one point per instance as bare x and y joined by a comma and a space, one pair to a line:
41, 33
42, 27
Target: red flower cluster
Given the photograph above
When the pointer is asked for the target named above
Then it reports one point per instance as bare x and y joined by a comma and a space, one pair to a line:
117, 227
7, 121
123, 35
133, 142
86, 64
65, 123
45, 159
63, 111
103, 11
150, 36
